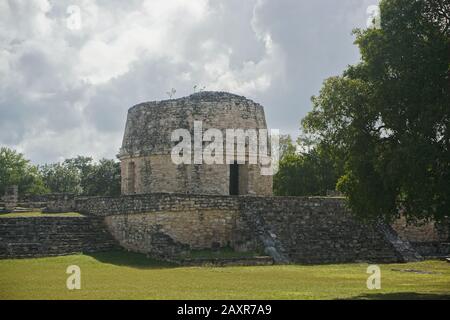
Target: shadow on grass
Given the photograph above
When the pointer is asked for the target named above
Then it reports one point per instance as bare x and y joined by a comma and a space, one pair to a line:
130, 259
403, 296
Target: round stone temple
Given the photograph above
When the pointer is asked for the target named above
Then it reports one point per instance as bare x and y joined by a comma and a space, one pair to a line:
146, 161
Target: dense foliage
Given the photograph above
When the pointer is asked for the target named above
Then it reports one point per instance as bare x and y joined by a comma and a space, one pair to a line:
80, 175
16, 170
388, 118
308, 172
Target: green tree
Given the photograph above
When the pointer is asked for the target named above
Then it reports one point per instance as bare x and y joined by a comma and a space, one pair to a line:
61, 178
388, 118
16, 170
103, 179
85, 167
82, 176
286, 146
310, 173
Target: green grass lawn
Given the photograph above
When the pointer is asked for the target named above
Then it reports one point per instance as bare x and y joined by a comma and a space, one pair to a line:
120, 275
39, 214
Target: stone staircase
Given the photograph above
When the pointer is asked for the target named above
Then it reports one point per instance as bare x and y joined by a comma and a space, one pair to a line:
272, 245
432, 249
52, 236
403, 248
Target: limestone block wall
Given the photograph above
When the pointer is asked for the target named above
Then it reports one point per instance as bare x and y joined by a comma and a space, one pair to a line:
305, 230
47, 236
421, 232
50, 202
146, 164
428, 237
155, 202
11, 197
165, 225
61, 202
157, 173
181, 231
318, 230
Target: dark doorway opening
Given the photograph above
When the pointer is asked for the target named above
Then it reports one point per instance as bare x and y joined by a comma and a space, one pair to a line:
234, 179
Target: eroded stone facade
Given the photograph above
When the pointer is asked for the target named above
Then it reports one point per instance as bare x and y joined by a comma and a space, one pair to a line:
290, 229
146, 163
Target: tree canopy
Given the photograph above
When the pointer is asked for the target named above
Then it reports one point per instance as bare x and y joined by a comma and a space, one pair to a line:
16, 170
388, 118
308, 172
79, 175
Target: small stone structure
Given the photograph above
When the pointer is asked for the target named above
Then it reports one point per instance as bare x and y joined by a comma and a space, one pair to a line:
11, 197
60, 202
145, 156
50, 202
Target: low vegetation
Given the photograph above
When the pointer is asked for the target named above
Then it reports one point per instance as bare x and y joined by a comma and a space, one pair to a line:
39, 214
120, 275
80, 175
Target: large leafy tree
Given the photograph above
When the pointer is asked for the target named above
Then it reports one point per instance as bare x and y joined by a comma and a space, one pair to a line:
103, 179
388, 117
81, 175
84, 167
16, 170
61, 178
308, 172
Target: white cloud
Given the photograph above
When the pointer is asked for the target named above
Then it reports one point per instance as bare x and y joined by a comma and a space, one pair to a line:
66, 91
152, 30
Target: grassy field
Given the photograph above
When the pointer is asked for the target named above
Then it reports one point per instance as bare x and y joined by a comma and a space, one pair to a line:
119, 275
38, 214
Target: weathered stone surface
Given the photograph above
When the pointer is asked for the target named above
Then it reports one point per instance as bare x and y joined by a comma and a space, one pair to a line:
60, 202
47, 236
146, 163
427, 237
313, 230
290, 229
11, 197
167, 225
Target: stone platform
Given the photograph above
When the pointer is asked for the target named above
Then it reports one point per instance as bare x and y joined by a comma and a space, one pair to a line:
50, 236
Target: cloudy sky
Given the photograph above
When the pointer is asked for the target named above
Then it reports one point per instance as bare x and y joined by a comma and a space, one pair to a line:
67, 79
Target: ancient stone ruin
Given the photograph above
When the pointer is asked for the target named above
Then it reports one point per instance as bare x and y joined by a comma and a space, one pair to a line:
11, 197
146, 149
167, 210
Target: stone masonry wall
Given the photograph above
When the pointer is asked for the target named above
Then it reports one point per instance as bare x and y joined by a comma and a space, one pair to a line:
305, 230
157, 173
422, 232
155, 202
179, 231
47, 236
51, 202
11, 197
146, 164
318, 230
428, 237
164, 225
